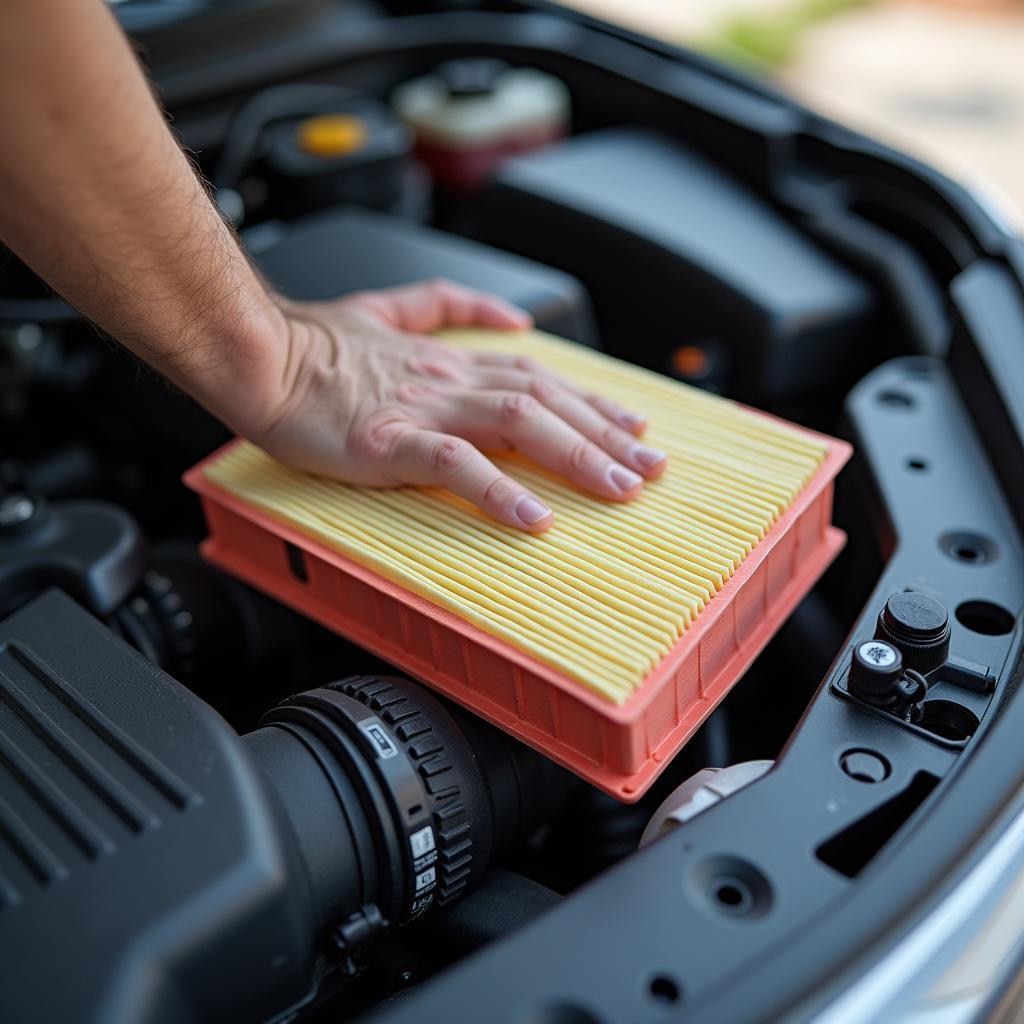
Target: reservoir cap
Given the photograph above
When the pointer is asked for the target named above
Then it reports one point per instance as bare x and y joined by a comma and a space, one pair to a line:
331, 135
918, 624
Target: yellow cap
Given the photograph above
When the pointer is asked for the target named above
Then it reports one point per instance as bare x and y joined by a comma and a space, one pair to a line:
690, 360
331, 135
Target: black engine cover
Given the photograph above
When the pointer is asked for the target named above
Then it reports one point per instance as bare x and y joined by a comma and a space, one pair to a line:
138, 842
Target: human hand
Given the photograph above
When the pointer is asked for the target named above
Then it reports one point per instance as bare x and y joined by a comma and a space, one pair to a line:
363, 396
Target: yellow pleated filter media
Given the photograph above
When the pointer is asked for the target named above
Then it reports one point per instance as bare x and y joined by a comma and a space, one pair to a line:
605, 594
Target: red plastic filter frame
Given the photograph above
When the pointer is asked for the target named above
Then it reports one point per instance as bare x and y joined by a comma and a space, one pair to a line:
618, 748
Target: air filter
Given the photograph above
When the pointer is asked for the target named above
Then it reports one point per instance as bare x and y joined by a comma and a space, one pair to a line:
605, 641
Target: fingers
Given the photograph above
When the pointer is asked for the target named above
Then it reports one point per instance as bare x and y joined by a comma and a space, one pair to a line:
520, 373
635, 423
620, 444
428, 458
512, 419
432, 305
581, 414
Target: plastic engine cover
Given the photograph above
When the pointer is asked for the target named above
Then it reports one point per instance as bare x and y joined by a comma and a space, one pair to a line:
116, 781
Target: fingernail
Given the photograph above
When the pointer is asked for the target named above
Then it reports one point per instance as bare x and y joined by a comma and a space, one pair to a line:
647, 457
530, 510
623, 479
631, 421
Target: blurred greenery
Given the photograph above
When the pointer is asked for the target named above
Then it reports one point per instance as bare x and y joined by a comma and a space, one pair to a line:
763, 41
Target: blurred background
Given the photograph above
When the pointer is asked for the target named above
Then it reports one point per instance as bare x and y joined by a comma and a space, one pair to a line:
942, 79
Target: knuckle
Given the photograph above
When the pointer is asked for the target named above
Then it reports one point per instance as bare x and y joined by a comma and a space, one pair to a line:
517, 408
451, 455
582, 455
612, 438
375, 437
500, 491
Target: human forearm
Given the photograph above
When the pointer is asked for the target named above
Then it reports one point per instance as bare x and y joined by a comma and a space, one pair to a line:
97, 197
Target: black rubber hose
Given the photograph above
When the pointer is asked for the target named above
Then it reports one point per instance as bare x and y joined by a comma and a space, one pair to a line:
242, 139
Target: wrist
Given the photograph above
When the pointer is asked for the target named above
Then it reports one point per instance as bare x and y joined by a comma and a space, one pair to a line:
247, 381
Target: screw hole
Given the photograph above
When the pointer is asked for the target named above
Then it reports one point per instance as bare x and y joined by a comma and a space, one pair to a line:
729, 895
984, 617
733, 895
732, 886
970, 548
918, 465
664, 990
896, 399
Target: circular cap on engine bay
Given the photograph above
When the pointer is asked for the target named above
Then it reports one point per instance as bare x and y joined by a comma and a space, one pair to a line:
875, 671
878, 654
918, 624
331, 135
920, 615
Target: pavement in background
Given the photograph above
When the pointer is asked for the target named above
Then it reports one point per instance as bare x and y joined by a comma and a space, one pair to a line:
941, 80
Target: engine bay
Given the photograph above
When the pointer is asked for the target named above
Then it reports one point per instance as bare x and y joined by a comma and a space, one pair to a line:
258, 806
